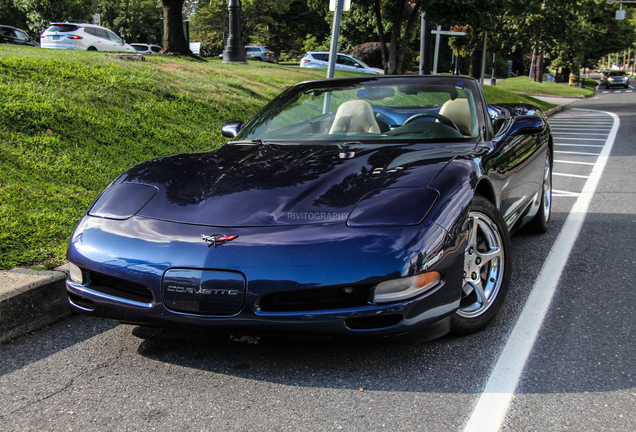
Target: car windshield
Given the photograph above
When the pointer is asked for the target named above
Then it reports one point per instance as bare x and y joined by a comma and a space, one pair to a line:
617, 73
62, 28
369, 109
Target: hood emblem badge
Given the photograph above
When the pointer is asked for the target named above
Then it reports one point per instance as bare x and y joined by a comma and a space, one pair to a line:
217, 239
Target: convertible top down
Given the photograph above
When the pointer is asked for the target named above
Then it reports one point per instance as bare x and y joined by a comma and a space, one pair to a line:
367, 206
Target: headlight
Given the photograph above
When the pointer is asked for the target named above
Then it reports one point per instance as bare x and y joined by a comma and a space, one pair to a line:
122, 200
393, 207
405, 288
75, 274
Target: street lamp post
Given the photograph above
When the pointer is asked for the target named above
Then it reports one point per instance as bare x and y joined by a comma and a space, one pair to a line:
234, 51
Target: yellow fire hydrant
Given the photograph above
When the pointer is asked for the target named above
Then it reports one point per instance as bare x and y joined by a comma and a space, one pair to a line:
572, 79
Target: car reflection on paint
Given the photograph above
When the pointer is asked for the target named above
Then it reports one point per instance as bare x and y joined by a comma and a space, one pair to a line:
367, 206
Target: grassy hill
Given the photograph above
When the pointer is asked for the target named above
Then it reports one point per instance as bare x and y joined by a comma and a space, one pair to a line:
70, 122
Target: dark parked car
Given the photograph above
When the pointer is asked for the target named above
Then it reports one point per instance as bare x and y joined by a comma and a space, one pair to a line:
12, 35
367, 206
615, 78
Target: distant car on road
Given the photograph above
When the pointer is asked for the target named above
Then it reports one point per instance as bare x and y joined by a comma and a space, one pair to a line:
146, 48
344, 62
81, 36
15, 36
615, 78
259, 53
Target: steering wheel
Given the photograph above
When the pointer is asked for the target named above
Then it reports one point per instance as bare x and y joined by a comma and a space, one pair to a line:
442, 119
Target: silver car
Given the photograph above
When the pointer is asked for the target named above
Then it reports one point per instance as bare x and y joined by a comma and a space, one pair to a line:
615, 78
146, 48
344, 62
81, 36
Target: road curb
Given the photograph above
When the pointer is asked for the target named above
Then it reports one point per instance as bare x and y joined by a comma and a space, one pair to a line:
30, 300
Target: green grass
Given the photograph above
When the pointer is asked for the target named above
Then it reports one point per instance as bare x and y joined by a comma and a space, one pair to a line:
496, 94
70, 122
523, 84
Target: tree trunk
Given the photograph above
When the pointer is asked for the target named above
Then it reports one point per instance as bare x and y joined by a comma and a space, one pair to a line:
404, 46
385, 53
473, 72
174, 40
538, 77
395, 35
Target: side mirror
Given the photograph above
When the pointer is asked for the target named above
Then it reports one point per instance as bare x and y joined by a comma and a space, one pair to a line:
231, 129
527, 124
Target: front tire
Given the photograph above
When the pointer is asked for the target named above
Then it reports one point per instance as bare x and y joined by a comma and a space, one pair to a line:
487, 266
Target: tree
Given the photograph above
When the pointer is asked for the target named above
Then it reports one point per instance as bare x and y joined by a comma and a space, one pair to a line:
174, 41
10, 14
133, 20
39, 13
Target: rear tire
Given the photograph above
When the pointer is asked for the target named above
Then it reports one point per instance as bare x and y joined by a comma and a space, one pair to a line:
541, 222
487, 266
91, 49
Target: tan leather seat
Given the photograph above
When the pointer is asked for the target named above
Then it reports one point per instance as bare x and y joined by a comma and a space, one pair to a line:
459, 112
354, 116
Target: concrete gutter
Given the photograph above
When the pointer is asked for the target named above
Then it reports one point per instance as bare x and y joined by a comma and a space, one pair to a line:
31, 299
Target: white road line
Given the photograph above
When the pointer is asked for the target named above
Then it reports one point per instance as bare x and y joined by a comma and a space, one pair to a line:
577, 153
580, 133
490, 411
579, 127
565, 194
582, 139
578, 145
571, 175
574, 162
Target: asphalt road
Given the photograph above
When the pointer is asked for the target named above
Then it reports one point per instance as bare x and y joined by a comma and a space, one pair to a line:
91, 374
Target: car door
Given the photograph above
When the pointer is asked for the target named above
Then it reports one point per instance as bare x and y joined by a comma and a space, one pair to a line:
345, 63
115, 42
518, 160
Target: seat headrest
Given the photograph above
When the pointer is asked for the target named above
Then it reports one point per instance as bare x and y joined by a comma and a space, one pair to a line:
354, 116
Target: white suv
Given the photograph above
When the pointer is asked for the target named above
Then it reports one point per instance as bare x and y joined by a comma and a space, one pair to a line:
259, 53
344, 62
88, 37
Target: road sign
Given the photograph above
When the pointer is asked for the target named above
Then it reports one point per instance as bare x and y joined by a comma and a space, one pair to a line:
346, 5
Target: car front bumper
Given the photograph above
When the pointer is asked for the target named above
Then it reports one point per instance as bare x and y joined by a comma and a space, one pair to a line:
289, 262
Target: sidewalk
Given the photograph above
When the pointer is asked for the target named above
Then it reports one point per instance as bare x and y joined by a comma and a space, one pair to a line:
31, 299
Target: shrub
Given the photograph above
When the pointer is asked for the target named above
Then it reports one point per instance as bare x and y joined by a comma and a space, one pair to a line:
371, 54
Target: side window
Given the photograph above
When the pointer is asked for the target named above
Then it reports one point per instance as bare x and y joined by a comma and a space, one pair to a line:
21, 35
101, 33
113, 37
90, 31
347, 61
155, 49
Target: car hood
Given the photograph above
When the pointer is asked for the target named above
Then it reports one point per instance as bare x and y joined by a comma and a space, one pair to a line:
269, 184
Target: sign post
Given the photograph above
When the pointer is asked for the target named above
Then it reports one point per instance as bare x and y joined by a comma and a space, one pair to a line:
337, 6
437, 34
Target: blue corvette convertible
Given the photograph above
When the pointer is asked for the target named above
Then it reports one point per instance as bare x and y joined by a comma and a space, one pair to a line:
367, 206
